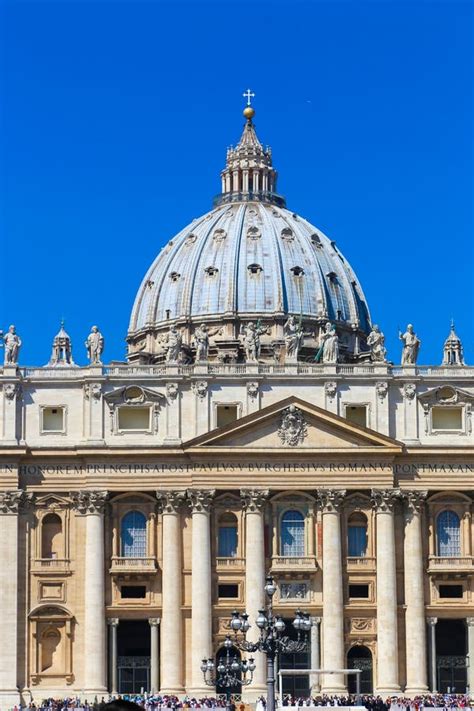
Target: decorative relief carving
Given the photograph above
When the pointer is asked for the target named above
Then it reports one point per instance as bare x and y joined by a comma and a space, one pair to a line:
171, 502
330, 388
11, 502
292, 430
172, 390
89, 502
252, 390
11, 390
409, 391
200, 388
200, 499
331, 500
382, 389
384, 500
92, 390
254, 499
294, 591
356, 625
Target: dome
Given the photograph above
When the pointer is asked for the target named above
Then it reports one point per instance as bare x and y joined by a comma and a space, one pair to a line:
248, 259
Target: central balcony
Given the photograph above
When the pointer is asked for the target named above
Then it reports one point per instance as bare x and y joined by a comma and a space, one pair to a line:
285, 564
125, 566
360, 563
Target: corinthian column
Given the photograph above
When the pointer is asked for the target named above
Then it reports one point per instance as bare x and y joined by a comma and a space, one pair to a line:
415, 625
387, 618
10, 502
171, 594
91, 504
333, 604
253, 503
201, 614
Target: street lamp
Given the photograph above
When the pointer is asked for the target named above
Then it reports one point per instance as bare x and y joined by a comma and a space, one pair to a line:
229, 672
272, 640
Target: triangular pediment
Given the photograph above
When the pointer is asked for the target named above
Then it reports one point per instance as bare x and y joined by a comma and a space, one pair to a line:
295, 425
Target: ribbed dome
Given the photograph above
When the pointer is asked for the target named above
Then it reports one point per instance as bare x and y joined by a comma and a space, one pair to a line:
248, 259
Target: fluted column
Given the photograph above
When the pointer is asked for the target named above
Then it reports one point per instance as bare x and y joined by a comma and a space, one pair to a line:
333, 601
154, 623
91, 504
253, 503
172, 651
387, 617
315, 679
201, 614
415, 626
113, 623
10, 502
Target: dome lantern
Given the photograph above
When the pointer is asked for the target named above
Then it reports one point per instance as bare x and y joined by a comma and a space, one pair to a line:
453, 350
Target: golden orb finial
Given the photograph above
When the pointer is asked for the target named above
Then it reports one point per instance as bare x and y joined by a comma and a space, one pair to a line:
249, 113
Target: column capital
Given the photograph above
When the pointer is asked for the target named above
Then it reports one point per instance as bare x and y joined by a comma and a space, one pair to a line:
170, 502
253, 500
200, 500
316, 621
154, 621
470, 621
89, 502
432, 621
11, 502
113, 621
331, 500
414, 500
384, 500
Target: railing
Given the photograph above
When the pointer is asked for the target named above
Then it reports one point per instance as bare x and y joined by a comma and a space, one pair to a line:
125, 564
295, 563
436, 562
54, 564
222, 562
360, 562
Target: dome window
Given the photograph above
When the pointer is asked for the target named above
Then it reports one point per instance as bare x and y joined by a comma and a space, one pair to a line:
332, 276
254, 269
316, 241
150, 284
174, 276
211, 271
219, 235
253, 233
191, 238
297, 271
287, 234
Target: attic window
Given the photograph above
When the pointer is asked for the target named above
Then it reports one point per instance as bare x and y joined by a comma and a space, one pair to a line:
211, 271
447, 418
191, 238
254, 269
332, 276
219, 235
253, 233
297, 271
287, 234
174, 276
316, 241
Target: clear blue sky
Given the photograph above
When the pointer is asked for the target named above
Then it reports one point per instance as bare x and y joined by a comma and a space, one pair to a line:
115, 121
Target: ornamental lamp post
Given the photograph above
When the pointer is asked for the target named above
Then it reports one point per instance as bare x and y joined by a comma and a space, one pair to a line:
272, 640
229, 672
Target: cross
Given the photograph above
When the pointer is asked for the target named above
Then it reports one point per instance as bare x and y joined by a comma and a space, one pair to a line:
248, 95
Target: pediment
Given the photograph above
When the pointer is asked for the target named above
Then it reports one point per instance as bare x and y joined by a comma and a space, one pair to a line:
446, 395
133, 395
294, 425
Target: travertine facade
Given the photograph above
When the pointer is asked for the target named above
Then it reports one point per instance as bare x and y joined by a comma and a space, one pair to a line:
142, 502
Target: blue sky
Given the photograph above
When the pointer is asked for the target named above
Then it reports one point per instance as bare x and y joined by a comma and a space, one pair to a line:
115, 120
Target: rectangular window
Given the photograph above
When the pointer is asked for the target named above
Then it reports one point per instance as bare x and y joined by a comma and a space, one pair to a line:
133, 592
227, 542
451, 591
446, 418
53, 419
359, 591
228, 590
357, 414
357, 541
134, 418
225, 414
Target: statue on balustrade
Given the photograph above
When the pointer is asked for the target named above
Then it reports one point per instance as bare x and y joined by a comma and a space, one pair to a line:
251, 340
94, 345
328, 345
201, 339
173, 345
294, 337
411, 345
12, 344
376, 342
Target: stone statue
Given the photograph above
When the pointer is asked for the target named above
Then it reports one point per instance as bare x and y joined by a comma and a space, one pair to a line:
94, 345
294, 337
411, 345
376, 342
173, 344
12, 343
328, 345
201, 338
251, 333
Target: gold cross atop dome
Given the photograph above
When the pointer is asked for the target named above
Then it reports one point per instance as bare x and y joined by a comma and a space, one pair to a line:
249, 111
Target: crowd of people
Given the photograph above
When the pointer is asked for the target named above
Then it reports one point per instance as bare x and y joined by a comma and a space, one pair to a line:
155, 702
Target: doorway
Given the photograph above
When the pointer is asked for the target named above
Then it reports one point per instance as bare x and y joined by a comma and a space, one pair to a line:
451, 656
133, 646
360, 657
297, 686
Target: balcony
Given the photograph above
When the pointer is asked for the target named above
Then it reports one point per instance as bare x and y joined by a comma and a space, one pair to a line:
286, 564
230, 563
443, 564
361, 564
52, 566
126, 566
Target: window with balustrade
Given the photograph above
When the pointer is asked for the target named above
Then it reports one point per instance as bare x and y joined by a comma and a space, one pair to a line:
357, 536
292, 534
133, 535
448, 534
227, 536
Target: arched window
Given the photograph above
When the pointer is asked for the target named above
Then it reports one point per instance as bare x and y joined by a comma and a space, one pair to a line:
292, 534
50, 645
448, 534
227, 536
51, 536
133, 535
357, 535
